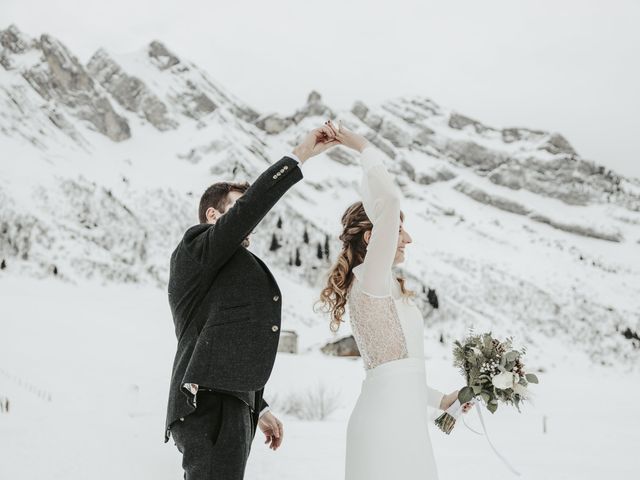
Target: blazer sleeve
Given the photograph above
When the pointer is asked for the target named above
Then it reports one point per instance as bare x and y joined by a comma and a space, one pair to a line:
212, 245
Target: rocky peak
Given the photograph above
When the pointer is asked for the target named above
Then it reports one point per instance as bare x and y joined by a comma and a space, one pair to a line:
459, 122
557, 144
313, 108
67, 72
360, 110
14, 40
314, 97
161, 56
517, 134
57, 76
13, 43
129, 91
274, 123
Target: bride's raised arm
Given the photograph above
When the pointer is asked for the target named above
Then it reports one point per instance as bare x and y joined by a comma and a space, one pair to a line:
381, 201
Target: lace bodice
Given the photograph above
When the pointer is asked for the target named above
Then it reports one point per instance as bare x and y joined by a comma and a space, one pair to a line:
376, 328
375, 323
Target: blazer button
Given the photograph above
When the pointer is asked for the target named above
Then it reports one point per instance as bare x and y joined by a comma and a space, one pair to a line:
286, 167
275, 176
274, 328
276, 298
182, 419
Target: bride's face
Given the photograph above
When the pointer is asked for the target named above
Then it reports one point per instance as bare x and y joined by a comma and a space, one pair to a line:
404, 239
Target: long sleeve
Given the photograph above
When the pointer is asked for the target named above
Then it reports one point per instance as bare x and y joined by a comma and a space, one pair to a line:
381, 200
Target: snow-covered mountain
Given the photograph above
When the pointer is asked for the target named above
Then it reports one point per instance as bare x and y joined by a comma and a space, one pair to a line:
103, 164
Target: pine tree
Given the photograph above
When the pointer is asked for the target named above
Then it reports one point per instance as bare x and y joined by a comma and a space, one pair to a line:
432, 297
55, 270
275, 245
279, 224
3, 265
298, 261
290, 261
326, 246
319, 253
305, 236
441, 338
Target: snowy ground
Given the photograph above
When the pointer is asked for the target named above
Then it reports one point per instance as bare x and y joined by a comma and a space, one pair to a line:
86, 370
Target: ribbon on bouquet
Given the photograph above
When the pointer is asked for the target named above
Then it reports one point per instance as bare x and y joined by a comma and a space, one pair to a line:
455, 410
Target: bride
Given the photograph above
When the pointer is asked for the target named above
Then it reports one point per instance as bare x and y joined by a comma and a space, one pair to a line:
387, 433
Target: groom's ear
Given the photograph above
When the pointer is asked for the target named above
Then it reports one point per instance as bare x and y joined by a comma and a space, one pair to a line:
212, 215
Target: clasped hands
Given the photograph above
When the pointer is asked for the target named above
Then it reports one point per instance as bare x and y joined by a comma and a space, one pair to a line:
327, 136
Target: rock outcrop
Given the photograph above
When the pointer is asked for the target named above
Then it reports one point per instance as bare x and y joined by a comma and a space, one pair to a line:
129, 91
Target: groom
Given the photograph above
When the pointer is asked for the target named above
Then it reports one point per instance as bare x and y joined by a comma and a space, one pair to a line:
226, 308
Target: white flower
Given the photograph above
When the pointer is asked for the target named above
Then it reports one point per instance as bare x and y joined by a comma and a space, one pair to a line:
521, 390
503, 380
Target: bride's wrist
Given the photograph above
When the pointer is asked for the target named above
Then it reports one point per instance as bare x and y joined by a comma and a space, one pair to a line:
362, 146
449, 399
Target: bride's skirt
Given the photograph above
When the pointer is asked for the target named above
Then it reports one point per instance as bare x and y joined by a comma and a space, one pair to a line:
387, 434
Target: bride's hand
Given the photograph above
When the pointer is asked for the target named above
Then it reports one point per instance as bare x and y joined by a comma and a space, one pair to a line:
448, 400
347, 137
315, 142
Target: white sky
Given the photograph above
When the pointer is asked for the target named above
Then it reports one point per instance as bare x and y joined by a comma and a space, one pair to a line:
571, 66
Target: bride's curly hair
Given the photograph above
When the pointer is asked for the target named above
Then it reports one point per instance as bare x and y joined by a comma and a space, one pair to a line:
333, 297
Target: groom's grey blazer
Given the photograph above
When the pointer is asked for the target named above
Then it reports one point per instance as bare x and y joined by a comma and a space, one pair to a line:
225, 302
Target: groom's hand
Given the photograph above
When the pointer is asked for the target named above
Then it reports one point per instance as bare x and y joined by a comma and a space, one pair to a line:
272, 429
316, 141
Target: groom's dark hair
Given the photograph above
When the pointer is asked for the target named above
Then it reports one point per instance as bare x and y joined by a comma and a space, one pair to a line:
216, 196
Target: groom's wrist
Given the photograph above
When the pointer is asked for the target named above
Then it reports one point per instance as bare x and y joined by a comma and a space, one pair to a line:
301, 154
295, 157
263, 411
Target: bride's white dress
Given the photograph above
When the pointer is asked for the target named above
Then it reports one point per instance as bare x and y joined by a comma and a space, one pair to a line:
387, 434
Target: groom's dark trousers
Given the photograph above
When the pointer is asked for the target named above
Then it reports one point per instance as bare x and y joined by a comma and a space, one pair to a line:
215, 440
226, 308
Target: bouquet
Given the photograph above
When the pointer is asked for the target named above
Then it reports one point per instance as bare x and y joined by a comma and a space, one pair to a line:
494, 373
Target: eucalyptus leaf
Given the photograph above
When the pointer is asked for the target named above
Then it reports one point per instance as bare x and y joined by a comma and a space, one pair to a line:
465, 395
531, 378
